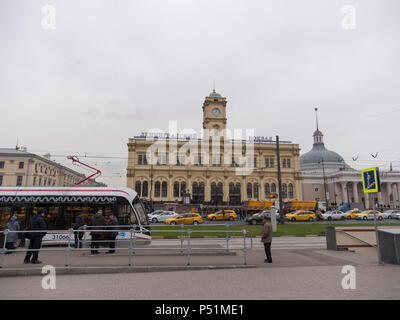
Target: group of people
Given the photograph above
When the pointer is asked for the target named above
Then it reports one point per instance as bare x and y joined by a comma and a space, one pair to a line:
104, 227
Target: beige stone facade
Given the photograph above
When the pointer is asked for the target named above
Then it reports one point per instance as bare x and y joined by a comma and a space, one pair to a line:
21, 168
210, 169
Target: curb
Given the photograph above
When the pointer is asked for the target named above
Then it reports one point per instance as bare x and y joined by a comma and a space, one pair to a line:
108, 270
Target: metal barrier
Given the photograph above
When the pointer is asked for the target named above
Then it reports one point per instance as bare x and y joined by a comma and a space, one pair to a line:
185, 234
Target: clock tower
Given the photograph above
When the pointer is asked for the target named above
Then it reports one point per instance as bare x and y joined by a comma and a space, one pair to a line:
214, 113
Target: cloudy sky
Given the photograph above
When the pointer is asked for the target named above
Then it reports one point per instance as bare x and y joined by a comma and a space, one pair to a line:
112, 69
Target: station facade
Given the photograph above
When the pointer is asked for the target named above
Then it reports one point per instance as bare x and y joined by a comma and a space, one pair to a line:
214, 169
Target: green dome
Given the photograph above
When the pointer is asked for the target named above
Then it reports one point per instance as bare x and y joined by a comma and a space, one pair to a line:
215, 95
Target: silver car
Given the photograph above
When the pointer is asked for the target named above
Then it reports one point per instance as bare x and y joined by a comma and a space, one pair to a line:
391, 214
333, 215
162, 216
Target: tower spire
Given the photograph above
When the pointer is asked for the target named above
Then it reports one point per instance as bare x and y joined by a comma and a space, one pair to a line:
316, 116
214, 86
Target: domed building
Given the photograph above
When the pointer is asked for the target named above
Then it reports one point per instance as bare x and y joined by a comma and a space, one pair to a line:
327, 177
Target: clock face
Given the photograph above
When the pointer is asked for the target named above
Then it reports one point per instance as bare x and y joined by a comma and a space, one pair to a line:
215, 111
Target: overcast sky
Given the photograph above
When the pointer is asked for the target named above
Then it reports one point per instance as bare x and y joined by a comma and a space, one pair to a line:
112, 69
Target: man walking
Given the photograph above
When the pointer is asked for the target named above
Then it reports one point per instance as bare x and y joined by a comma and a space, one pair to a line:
266, 237
111, 221
79, 223
37, 223
96, 223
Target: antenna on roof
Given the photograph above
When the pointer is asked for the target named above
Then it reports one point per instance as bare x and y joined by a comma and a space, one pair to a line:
213, 86
16, 146
316, 116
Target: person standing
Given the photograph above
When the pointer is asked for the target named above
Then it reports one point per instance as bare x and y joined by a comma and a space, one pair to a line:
79, 223
12, 237
37, 223
96, 223
111, 222
266, 237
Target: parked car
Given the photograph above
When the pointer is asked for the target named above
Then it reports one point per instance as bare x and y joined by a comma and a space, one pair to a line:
161, 216
369, 215
396, 215
334, 215
222, 215
185, 218
256, 218
351, 214
390, 214
301, 215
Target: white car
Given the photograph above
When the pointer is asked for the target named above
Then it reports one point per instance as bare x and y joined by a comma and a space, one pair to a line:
391, 214
334, 215
162, 216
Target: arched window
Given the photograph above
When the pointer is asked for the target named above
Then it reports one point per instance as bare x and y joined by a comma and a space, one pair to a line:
157, 189
238, 188
201, 188
256, 190
183, 188
213, 189
145, 189
273, 188
267, 190
284, 191
176, 189
195, 188
249, 190
291, 192
138, 187
220, 189
164, 189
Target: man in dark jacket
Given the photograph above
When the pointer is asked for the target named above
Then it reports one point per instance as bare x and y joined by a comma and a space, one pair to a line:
111, 221
96, 223
79, 223
266, 237
37, 223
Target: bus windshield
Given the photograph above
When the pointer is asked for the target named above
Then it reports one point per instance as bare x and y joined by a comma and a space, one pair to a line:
140, 211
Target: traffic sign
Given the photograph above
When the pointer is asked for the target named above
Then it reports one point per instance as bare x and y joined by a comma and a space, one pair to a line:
370, 180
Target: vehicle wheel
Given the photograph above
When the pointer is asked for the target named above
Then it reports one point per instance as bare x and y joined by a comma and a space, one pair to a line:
311, 219
342, 218
389, 217
173, 223
254, 222
349, 218
329, 218
231, 218
213, 219
293, 219
365, 218
154, 220
195, 222
380, 218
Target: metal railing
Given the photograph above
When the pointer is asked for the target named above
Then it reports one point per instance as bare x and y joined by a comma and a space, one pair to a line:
185, 235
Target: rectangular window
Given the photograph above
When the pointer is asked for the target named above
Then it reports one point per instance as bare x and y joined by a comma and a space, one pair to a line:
34, 180
216, 161
284, 163
288, 163
19, 180
1, 164
144, 159
140, 159
1, 180
21, 165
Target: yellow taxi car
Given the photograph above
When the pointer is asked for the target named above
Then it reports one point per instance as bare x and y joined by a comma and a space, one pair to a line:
351, 214
301, 215
369, 215
222, 215
185, 218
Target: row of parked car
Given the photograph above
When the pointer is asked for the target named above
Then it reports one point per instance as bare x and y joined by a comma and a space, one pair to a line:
172, 218
302, 215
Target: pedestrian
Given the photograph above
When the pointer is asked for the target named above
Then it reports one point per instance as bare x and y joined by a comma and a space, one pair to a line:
78, 224
97, 223
37, 223
266, 237
111, 222
12, 237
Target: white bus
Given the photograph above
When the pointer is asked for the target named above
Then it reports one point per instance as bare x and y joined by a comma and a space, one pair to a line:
61, 205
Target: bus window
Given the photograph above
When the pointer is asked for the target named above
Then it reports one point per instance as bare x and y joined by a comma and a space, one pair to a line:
126, 215
140, 211
86, 211
5, 214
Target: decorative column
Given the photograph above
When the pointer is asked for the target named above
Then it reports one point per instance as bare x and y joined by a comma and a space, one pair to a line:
355, 192
389, 192
344, 192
